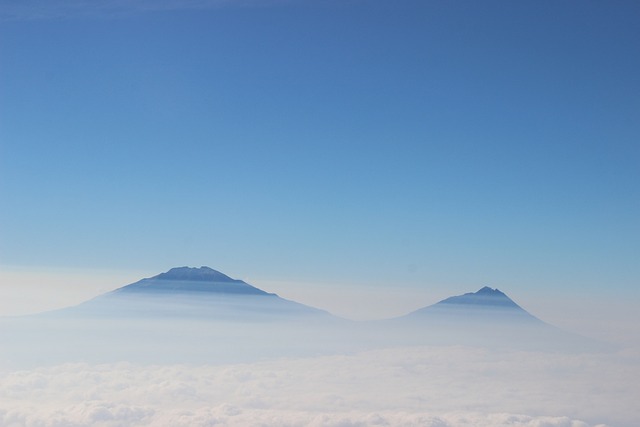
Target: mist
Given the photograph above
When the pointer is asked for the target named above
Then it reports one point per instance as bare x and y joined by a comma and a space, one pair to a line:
193, 360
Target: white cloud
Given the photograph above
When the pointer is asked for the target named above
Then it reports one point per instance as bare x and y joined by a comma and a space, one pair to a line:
104, 415
426, 386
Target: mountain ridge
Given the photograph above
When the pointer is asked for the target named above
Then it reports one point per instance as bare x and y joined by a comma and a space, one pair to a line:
190, 279
485, 296
203, 273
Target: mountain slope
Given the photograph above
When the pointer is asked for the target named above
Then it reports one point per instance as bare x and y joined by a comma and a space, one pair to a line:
485, 297
187, 280
486, 304
189, 293
487, 318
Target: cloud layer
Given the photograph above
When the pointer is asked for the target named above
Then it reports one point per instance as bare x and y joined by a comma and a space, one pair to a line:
426, 386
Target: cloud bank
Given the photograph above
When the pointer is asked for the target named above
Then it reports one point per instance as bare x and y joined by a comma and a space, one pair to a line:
418, 386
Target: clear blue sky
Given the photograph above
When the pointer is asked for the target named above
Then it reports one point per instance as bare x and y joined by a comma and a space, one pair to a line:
397, 143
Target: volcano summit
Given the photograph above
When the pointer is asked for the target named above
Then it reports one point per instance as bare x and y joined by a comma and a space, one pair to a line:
187, 280
486, 304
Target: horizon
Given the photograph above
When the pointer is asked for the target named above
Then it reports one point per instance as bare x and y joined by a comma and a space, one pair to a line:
355, 302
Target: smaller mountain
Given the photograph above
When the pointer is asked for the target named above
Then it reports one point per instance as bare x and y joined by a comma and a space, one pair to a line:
485, 296
486, 304
486, 318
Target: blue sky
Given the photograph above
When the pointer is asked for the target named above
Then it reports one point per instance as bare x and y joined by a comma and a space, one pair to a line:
431, 145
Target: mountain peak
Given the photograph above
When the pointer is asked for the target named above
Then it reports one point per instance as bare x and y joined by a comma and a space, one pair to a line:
486, 296
486, 290
202, 274
484, 305
191, 279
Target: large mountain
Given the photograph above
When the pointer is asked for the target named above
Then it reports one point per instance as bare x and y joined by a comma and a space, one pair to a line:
202, 293
184, 315
187, 280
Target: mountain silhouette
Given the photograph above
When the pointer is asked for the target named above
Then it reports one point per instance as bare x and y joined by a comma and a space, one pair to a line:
485, 296
187, 280
202, 293
487, 303
487, 318
201, 315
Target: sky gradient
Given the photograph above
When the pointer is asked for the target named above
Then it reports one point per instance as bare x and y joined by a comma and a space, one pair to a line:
424, 147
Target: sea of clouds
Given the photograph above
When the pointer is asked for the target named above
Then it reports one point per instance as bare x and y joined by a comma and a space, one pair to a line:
409, 386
